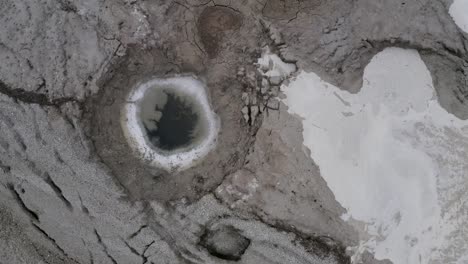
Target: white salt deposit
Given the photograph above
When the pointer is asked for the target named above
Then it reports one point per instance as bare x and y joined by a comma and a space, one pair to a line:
459, 12
138, 140
393, 157
273, 66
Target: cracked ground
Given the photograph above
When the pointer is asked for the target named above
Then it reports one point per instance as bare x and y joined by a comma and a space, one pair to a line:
71, 189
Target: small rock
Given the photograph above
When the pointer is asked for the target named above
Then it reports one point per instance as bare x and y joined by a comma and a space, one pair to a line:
263, 68
245, 112
340, 20
271, 64
272, 104
265, 86
275, 80
275, 35
241, 72
253, 113
251, 77
121, 51
253, 100
245, 98
274, 90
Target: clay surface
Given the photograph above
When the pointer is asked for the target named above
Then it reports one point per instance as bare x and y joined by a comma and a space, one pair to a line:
71, 189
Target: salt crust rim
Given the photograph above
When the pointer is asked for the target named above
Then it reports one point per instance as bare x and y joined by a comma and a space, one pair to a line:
139, 142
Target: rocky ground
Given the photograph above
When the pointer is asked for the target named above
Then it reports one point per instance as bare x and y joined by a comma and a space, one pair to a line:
72, 191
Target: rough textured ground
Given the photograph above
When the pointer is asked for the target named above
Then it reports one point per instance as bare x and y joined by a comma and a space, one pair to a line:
72, 192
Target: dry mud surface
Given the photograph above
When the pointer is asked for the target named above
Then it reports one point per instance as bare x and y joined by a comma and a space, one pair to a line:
71, 189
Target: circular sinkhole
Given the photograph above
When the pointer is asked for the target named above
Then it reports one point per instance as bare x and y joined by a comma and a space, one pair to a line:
169, 122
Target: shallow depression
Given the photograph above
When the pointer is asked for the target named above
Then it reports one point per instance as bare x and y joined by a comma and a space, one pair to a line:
169, 122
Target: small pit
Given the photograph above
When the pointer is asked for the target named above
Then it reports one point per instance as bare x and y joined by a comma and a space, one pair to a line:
169, 122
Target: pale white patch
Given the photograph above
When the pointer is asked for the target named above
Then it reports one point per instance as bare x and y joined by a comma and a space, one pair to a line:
393, 157
459, 12
139, 142
273, 66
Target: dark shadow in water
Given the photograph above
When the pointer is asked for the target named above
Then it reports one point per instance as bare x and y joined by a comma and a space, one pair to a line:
177, 125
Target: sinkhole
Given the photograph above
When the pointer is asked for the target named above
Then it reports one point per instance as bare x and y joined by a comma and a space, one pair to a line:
169, 122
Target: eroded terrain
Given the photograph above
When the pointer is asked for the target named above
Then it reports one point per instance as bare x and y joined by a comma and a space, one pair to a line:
73, 191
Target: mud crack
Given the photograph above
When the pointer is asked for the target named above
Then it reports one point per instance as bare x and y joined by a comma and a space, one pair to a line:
33, 215
28, 97
42, 231
104, 247
58, 191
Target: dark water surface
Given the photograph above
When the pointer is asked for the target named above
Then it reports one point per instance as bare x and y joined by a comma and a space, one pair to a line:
178, 124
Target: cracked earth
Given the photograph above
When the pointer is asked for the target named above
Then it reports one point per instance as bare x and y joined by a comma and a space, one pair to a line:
73, 191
